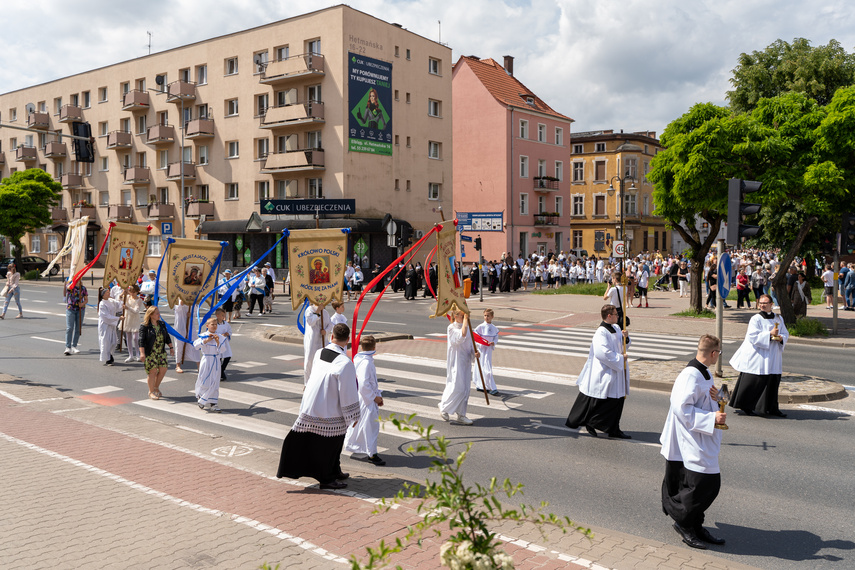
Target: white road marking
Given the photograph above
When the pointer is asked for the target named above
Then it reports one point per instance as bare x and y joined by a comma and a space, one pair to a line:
48, 339
498, 371
288, 357
249, 364
831, 410
103, 389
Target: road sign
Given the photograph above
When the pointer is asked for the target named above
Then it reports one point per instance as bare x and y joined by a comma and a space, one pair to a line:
620, 249
360, 247
390, 241
166, 228
391, 228
465, 238
725, 274
300, 206
480, 221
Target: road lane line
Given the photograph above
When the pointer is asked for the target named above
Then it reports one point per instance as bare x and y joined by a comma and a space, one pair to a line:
48, 339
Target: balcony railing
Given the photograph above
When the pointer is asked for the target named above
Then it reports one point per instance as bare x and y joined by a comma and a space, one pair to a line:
26, 153
293, 115
174, 170
38, 120
161, 134
70, 114
58, 215
80, 211
56, 149
161, 211
546, 219
136, 101
294, 160
293, 69
199, 129
119, 212
138, 175
119, 139
181, 90
72, 180
196, 209
545, 184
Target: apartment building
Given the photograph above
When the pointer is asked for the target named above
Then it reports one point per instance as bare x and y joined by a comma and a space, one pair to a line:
334, 104
599, 158
510, 155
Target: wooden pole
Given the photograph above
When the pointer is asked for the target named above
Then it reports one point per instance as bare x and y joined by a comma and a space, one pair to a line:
478, 361
121, 336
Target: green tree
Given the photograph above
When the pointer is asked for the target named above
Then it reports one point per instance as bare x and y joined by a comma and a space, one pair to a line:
817, 72
26, 198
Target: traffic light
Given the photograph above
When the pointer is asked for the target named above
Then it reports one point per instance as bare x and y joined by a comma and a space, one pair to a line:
406, 235
737, 210
83, 150
827, 244
847, 234
398, 241
478, 243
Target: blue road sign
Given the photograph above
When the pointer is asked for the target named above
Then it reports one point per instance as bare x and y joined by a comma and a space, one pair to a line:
480, 221
725, 274
465, 238
166, 228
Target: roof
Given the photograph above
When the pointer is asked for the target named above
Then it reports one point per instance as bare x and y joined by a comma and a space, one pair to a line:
506, 88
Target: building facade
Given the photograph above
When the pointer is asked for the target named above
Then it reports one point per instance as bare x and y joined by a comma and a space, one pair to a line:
510, 155
197, 136
598, 157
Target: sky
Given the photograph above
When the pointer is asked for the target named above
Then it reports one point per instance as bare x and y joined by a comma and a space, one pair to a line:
634, 65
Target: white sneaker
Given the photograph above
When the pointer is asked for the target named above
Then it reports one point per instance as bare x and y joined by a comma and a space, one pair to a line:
461, 419
67, 351
441, 413
129, 359
215, 408
74, 350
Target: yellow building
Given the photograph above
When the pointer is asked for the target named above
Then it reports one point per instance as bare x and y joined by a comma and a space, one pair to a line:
598, 160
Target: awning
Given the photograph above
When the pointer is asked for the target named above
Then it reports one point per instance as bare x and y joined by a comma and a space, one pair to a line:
357, 225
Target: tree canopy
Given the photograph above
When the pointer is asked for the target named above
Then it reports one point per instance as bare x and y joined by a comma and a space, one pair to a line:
26, 198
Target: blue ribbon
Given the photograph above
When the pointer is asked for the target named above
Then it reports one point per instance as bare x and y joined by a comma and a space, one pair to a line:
169, 241
215, 270
301, 316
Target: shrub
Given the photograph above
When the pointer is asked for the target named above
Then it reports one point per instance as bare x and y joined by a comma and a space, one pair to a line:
578, 289
32, 274
805, 326
704, 314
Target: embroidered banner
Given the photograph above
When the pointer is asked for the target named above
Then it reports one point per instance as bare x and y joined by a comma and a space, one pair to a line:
449, 292
126, 254
75, 244
317, 263
188, 267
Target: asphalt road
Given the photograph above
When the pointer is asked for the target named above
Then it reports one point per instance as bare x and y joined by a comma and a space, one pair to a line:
787, 492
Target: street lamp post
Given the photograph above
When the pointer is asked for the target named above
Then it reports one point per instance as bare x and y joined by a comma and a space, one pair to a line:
621, 230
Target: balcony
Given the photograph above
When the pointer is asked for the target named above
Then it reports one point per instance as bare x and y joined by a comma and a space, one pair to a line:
180, 90
138, 175
56, 149
161, 212
70, 114
545, 184
196, 209
59, 215
199, 129
38, 121
119, 139
78, 212
293, 161
546, 219
176, 168
161, 134
293, 115
293, 69
118, 213
26, 154
135, 101
72, 180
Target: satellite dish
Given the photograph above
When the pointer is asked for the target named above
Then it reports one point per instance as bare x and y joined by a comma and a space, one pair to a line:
30, 108
160, 79
257, 59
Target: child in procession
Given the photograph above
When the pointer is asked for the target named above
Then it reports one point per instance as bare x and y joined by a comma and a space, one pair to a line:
338, 316
130, 325
224, 329
362, 438
211, 347
489, 333
109, 313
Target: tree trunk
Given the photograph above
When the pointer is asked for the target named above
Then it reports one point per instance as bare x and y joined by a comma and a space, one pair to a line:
810, 267
699, 254
780, 281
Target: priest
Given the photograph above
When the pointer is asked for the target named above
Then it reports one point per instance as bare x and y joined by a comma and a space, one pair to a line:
691, 445
330, 404
604, 380
759, 361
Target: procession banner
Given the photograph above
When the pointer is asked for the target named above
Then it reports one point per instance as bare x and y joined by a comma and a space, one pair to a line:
369, 90
188, 268
75, 244
449, 287
317, 262
126, 254
72, 283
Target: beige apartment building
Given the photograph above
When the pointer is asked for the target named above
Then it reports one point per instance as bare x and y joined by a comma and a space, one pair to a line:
335, 104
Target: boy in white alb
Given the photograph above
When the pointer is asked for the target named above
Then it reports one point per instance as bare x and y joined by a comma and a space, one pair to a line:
338, 316
489, 333
211, 348
362, 438
224, 329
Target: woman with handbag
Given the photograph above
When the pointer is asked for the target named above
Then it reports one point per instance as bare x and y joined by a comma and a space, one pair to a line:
12, 289
153, 339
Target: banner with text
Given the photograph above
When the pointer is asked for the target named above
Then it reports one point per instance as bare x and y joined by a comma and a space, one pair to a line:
317, 260
189, 263
370, 99
449, 290
125, 257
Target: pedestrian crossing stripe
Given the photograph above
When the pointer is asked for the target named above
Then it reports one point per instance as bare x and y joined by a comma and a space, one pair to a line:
249, 364
512, 373
441, 380
583, 347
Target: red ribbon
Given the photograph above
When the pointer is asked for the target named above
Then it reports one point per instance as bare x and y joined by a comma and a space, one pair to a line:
79, 275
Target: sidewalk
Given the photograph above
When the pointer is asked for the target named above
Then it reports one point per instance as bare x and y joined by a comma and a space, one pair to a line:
90, 485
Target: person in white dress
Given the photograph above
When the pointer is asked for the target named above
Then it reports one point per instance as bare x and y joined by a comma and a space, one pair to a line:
691, 446
224, 330
109, 311
642, 278
362, 438
211, 347
184, 325
616, 295
488, 331
460, 356
130, 325
317, 321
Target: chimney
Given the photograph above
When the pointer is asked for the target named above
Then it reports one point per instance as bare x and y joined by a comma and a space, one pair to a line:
509, 65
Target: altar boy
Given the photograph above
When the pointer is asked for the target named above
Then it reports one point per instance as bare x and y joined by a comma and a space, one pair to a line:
489, 333
363, 437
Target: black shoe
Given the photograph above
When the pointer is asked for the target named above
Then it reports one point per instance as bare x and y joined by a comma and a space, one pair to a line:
376, 460
748, 412
479, 389
778, 414
620, 435
333, 485
688, 536
591, 431
342, 476
705, 535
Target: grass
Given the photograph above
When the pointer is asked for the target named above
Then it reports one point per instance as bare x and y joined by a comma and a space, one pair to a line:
598, 289
705, 314
817, 294
805, 326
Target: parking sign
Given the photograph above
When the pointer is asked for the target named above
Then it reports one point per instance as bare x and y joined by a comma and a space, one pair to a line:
166, 228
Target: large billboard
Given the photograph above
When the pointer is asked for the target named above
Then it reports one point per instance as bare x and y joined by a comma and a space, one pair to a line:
370, 99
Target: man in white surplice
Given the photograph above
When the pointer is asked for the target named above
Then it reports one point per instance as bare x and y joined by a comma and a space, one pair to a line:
459, 359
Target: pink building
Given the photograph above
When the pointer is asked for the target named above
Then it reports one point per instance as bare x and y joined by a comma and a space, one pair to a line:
511, 151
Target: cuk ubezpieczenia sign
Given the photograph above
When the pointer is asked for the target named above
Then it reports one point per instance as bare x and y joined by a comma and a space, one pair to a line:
369, 91
300, 207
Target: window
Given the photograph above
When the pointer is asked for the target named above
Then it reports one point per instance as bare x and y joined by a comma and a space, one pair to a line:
87, 100
434, 67
103, 198
408, 54
262, 190
600, 205
541, 132
396, 95
105, 164
126, 197
578, 172
523, 129
125, 125
409, 186
53, 244
259, 59
125, 87
578, 148
285, 189
541, 204
600, 170
141, 200
646, 170
313, 46
261, 103
57, 103
524, 244
524, 204
163, 159
203, 154
232, 191
313, 140
408, 142
262, 148
231, 107
632, 168
233, 149
187, 154
163, 118
201, 74
397, 141
163, 194
103, 129
141, 160
559, 136
559, 205
231, 66
397, 184
281, 52
578, 204
646, 149
87, 169
60, 170
164, 84
631, 204
434, 149
541, 167
42, 107
315, 188
577, 239
13, 114
74, 100
397, 51
646, 206
102, 94
42, 140
202, 192
600, 147
433, 191
434, 108
35, 244
559, 170
408, 98
523, 167
154, 246
313, 93
141, 124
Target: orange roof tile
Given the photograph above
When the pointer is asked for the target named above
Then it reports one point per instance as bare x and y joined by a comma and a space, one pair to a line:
506, 88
